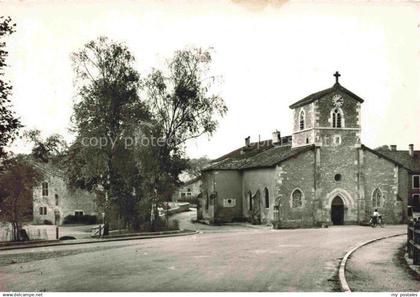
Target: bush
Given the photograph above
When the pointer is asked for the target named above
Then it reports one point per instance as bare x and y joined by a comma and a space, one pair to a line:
84, 219
160, 225
47, 222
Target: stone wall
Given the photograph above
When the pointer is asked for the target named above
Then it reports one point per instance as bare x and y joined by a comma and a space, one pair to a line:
257, 180
205, 207
68, 201
295, 173
221, 196
350, 108
384, 175
334, 162
305, 136
228, 201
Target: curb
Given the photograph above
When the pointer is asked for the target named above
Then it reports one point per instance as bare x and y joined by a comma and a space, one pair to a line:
344, 286
61, 243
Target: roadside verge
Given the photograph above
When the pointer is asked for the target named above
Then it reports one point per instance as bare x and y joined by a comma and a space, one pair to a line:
98, 240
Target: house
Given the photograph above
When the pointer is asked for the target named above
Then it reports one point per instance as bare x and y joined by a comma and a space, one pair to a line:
53, 200
187, 190
322, 174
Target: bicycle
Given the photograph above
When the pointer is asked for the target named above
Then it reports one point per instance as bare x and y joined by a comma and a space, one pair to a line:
375, 221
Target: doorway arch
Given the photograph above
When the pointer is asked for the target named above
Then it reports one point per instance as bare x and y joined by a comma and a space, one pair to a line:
337, 211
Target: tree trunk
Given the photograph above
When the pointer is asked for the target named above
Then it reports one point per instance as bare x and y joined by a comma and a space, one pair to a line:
15, 228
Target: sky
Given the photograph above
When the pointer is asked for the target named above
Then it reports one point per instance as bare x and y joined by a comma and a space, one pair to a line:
268, 53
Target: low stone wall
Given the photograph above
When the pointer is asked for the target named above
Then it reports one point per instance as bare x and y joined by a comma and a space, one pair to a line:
179, 207
35, 232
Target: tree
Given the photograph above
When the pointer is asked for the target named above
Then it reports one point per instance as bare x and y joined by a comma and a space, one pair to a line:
9, 124
16, 183
184, 108
196, 165
383, 148
53, 148
107, 113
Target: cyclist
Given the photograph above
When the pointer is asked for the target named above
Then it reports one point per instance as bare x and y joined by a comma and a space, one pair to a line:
375, 217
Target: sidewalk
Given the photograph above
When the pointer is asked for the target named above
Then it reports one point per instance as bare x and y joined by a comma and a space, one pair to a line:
148, 235
380, 267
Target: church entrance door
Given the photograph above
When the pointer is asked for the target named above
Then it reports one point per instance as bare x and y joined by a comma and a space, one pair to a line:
337, 211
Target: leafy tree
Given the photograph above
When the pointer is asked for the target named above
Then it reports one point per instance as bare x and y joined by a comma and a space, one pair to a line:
383, 148
107, 113
184, 108
196, 165
16, 183
9, 124
52, 148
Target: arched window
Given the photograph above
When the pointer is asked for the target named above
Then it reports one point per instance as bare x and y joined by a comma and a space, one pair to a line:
297, 198
250, 200
376, 198
302, 120
266, 198
337, 118
44, 189
56, 199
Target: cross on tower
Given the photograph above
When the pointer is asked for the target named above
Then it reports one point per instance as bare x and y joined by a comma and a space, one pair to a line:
337, 75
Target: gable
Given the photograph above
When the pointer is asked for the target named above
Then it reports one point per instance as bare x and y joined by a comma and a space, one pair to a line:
318, 95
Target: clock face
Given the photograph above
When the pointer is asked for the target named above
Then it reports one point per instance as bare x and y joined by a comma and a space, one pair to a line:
338, 100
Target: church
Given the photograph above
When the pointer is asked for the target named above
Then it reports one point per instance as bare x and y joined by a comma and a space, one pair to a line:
320, 175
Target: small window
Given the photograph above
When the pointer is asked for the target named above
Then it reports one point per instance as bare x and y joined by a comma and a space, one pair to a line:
297, 198
376, 198
302, 120
337, 118
337, 139
44, 189
266, 198
188, 190
78, 213
337, 177
182, 194
42, 210
189, 194
416, 181
56, 199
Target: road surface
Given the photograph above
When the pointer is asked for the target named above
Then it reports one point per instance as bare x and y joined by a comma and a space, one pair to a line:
244, 259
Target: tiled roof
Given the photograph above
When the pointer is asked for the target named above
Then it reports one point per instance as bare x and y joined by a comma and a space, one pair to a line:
403, 158
260, 157
318, 95
253, 148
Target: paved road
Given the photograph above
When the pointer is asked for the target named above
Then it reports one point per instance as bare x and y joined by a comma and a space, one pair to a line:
250, 260
377, 267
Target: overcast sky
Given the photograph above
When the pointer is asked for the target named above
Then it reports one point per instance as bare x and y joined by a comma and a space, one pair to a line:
270, 54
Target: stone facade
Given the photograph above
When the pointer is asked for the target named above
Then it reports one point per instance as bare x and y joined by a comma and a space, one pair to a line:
325, 176
53, 201
189, 189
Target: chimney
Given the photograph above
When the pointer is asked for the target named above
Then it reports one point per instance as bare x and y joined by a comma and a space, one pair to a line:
276, 138
411, 150
393, 147
248, 141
